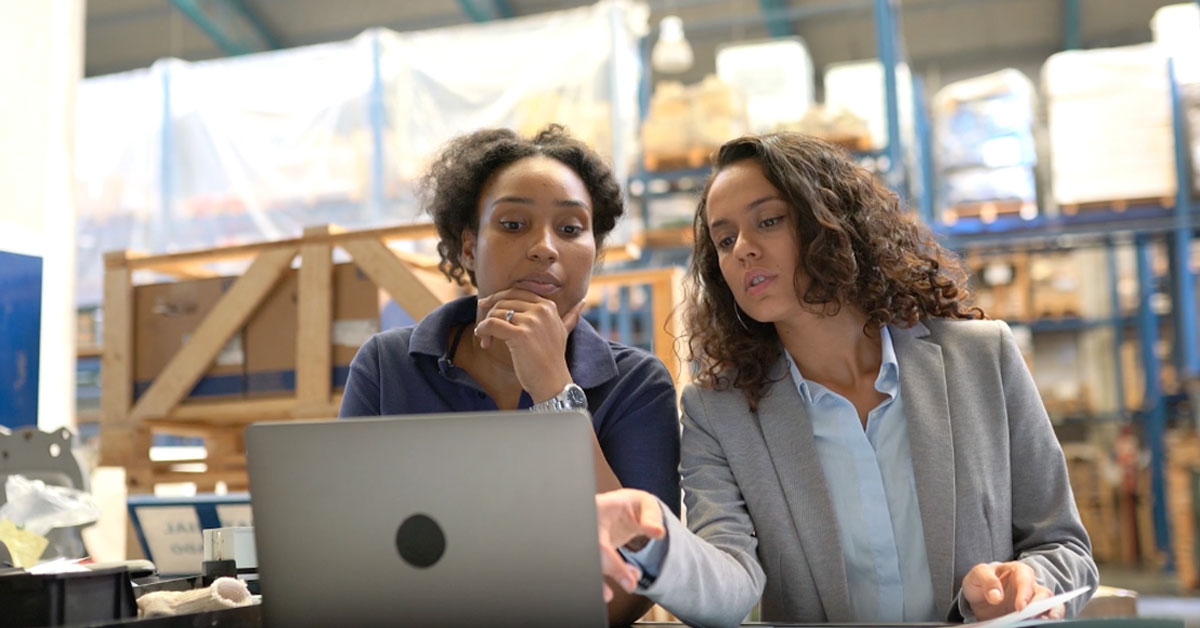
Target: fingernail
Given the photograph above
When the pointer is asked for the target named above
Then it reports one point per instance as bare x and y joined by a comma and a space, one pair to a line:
995, 595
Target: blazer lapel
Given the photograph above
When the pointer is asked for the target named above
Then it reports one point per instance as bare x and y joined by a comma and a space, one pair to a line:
923, 390
793, 451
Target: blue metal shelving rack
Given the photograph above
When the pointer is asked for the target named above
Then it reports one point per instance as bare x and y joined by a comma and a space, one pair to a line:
1143, 224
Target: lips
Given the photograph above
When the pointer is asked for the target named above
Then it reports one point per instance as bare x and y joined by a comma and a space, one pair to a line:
541, 284
756, 281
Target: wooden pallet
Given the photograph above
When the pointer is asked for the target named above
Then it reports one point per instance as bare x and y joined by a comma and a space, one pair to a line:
989, 211
694, 157
127, 427
1118, 205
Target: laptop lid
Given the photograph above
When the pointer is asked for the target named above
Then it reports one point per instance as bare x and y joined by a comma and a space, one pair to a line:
451, 519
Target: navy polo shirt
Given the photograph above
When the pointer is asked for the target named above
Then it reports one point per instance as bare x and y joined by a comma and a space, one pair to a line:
630, 393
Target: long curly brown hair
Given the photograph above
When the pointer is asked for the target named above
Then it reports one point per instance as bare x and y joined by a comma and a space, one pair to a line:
857, 248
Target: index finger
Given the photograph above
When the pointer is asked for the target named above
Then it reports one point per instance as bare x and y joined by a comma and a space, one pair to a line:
521, 294
1022, 586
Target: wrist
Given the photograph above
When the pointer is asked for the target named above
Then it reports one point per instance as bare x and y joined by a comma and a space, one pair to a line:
549, 388
571, 397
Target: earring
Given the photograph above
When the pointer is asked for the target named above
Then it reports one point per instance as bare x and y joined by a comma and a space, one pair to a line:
738, 314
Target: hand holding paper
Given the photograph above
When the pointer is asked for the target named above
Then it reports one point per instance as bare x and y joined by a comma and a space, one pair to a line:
1035, 609
996, 589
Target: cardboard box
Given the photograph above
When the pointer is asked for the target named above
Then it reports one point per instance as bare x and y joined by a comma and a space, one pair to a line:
165, 315
272, 330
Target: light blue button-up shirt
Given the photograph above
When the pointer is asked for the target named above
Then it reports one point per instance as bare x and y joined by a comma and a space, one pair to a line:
874, 493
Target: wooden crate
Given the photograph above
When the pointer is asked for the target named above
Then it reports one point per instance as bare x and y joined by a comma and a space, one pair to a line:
127, 427
694, 157
1183, 462
1087, 468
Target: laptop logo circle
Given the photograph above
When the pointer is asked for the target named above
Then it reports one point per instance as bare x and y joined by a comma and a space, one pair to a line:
420, 541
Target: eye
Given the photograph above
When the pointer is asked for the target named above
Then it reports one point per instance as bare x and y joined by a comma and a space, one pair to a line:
724, 243
771, 222
510, 225
571, 230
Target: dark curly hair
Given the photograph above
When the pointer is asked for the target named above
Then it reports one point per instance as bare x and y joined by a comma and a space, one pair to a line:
450, 190
857, 247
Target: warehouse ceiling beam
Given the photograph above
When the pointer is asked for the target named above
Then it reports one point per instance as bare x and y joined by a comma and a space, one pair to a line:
774, 12
486, 10
232, 26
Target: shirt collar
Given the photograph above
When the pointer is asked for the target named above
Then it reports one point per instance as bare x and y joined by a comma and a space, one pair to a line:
888, 380
589, 358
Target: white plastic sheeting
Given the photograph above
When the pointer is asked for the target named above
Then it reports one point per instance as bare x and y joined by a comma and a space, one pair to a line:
193, 155
984, 139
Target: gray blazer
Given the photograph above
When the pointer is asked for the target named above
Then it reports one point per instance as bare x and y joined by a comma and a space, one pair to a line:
991, 486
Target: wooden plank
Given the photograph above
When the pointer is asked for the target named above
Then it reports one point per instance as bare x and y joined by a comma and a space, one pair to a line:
226, 317
314, 337
186, 259
234, 411
665, 294
189, 263
234, 478
397, 279
198, 418
116, 362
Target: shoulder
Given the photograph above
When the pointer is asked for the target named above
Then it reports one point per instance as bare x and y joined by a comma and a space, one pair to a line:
702, 402
392, 341
976, 334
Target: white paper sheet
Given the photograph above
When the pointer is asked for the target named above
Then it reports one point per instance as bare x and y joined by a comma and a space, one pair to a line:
1033, 610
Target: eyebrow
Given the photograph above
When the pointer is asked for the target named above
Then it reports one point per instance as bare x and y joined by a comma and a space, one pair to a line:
522, 200
749, 207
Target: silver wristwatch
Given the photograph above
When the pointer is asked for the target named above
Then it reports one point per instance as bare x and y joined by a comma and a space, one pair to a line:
571, 398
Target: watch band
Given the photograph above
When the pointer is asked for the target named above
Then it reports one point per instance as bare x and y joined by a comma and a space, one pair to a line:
572, 397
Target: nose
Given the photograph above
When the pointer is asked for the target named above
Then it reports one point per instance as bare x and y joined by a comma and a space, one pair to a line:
745, 248
542, 247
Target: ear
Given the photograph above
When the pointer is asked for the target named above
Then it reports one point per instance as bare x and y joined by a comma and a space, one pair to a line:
467, 257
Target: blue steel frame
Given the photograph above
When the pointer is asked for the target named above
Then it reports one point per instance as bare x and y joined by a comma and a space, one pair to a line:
1145, 221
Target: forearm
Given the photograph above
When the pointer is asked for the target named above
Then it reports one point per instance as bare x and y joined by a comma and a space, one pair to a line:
606, 479
705, 584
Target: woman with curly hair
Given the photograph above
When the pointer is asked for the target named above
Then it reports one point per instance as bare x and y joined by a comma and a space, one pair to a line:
523, 220
860, 445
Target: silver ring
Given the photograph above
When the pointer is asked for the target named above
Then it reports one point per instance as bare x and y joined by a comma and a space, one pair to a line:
508, 316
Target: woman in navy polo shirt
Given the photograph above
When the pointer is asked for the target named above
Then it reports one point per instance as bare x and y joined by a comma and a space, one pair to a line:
523, 221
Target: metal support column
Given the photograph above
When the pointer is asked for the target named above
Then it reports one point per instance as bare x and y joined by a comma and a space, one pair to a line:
377, 117
1071, 24
885, 36
1183, 289
1153, 405
924, 174
164, 234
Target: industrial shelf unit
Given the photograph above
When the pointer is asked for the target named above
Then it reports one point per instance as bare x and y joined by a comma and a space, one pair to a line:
1143, 223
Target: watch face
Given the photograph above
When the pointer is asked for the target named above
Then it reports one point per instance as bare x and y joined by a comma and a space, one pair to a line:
575, 399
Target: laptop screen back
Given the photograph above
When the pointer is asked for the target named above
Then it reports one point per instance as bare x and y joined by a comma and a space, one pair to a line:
455, 519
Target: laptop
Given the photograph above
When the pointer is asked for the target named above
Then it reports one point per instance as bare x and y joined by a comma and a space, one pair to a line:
467, 519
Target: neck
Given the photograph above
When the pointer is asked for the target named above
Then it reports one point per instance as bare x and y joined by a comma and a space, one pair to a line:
495, 358
832, 350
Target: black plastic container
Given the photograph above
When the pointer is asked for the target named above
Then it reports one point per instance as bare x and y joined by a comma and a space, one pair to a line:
67, 598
